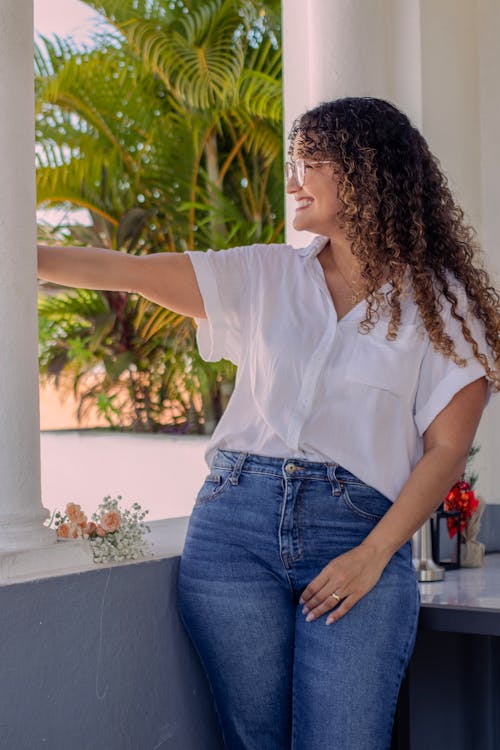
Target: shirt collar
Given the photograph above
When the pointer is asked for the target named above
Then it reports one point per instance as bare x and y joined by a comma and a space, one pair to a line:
314, 247
319, 242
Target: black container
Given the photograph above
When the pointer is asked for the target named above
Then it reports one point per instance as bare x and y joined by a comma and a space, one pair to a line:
445, 551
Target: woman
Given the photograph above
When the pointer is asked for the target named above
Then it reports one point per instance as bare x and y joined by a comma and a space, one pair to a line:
365, 361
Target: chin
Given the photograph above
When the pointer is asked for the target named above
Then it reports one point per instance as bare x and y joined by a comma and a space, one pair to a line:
301, 226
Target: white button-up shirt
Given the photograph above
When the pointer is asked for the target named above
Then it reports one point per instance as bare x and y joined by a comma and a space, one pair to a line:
311, 386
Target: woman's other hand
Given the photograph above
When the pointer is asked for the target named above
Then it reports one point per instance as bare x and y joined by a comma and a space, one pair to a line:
350, 575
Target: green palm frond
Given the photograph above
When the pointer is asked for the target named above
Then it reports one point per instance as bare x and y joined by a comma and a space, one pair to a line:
259, 87
93, 108
261, 96
198, 62
118, 12
79, 303
71, 182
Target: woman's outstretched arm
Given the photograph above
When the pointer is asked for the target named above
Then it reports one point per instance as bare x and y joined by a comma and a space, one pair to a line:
165, 278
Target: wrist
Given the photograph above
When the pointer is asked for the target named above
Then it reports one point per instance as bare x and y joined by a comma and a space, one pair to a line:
380, 550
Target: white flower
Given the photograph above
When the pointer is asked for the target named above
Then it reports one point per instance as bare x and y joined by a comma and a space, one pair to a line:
127, 542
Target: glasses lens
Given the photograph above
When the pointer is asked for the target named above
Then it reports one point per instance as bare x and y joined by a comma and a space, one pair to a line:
295, 170
299, 172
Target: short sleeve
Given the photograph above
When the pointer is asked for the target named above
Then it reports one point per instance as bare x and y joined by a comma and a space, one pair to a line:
440, 378
223, 282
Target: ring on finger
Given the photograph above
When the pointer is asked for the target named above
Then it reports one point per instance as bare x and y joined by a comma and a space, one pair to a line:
335, 596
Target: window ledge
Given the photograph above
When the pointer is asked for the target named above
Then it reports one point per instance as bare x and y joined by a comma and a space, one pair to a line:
62, 558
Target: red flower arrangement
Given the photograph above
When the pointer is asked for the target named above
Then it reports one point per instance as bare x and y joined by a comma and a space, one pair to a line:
461, 497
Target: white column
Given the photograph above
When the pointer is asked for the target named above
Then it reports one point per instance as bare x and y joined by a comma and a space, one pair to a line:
27, 547
461, 113
488, 46
21, 511
450, 96
337, 48
488, 31
404, 57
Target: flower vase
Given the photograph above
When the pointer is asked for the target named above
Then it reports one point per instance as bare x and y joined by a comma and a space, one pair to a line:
472, 551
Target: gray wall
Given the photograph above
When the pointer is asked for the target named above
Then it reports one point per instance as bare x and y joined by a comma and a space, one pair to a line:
489, 532
101, 660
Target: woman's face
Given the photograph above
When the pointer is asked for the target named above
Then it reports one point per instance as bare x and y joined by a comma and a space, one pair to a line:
316, 201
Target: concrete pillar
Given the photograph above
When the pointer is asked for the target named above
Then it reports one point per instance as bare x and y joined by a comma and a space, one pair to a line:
450, 96
27, 547
460, 120
488, 47
21, 511
336, 48
488, 127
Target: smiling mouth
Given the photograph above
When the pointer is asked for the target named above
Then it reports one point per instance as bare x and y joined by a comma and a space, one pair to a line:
303, 204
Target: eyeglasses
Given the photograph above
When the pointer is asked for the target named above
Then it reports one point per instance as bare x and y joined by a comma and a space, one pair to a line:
297, 169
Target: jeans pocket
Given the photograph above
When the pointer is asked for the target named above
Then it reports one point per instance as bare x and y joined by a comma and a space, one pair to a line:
216, 482
365, 501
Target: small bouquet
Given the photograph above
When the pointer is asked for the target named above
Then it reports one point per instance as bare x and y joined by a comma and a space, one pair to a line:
114, 534
461, 497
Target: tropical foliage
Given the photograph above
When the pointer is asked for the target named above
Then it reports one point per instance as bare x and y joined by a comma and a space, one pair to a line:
169, 131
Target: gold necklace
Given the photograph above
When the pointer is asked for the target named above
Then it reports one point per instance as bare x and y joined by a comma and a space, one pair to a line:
356, 295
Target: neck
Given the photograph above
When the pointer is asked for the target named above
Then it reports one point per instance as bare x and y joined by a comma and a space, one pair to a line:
338, 255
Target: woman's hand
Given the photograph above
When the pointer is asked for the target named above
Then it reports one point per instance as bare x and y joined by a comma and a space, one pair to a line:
350, 575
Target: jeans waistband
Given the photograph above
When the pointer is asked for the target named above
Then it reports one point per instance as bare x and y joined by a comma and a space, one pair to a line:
297, 467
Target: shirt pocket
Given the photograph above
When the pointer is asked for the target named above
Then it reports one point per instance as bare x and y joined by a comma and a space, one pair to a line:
388, 365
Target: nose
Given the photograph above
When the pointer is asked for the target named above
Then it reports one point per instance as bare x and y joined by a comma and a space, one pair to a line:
291, 185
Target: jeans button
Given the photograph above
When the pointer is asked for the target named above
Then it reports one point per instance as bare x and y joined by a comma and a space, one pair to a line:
290, 468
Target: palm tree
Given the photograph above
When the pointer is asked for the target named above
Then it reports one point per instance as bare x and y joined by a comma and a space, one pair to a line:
169, 132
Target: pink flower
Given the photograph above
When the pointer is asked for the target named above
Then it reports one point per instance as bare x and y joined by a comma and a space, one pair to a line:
90, 528
100, 531
75, 513
74, 530
63, 530
110, 521
72, 510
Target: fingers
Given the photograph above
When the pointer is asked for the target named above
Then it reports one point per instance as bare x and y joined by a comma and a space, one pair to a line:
347, 604
350, 576
315, 605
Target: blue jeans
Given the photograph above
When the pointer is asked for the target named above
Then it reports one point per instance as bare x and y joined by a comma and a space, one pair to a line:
259, 532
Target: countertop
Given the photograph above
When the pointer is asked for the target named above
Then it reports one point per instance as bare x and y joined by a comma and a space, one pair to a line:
466, 601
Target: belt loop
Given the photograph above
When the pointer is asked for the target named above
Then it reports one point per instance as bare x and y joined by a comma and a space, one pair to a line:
332, 476
235, 474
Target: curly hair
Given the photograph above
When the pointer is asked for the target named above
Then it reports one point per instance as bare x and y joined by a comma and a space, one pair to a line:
400, 216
